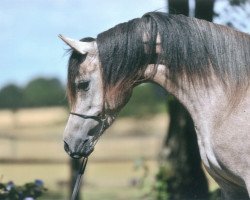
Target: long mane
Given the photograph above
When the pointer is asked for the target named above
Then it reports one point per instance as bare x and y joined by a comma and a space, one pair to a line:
191, 47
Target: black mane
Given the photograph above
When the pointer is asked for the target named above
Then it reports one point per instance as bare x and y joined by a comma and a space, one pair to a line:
121, 50
190, 47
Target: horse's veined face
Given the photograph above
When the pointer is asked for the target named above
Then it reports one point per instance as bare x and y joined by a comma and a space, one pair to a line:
79, 134
90, 117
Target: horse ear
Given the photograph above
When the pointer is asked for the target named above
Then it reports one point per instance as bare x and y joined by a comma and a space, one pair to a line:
81, 47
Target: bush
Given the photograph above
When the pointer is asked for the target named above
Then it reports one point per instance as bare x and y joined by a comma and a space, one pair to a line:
147, 99
11, 96
29, 191
38, 92
44, 92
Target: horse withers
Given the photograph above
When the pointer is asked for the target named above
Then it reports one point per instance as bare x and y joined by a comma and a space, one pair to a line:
204, 65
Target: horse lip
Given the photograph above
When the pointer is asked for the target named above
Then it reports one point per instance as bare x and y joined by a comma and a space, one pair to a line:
75, 156
84, 153
83, 150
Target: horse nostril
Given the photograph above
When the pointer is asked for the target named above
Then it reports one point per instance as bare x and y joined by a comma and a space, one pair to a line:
66, 147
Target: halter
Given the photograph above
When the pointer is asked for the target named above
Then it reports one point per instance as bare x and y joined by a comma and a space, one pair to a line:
102, 119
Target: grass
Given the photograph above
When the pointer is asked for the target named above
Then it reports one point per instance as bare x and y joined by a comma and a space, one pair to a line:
37, 134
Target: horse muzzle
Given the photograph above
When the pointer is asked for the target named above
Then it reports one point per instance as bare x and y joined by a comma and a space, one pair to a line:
84, 149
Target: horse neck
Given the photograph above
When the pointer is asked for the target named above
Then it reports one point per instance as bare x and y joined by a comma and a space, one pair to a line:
203, 103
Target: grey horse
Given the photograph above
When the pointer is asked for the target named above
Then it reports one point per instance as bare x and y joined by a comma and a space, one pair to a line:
204, 65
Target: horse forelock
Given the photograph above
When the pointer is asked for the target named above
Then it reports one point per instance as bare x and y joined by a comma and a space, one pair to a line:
122, 53
190, 47
73, 71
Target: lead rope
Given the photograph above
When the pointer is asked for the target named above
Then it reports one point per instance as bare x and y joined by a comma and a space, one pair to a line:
78, 179
85, 159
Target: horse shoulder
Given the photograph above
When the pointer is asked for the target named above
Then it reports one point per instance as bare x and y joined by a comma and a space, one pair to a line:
231, 142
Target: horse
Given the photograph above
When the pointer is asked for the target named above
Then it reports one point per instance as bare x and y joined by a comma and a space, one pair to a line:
206, 66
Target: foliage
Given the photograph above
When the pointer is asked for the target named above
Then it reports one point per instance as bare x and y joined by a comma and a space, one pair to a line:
161, 184
43, 92
38, 92
147, 99
11, 96
29, 191
237, 2
215, 195
140, 165
160, 188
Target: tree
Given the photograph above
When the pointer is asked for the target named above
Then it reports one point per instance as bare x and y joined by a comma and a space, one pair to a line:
11, 97
44, 92
204, 9
39, 92
235, 13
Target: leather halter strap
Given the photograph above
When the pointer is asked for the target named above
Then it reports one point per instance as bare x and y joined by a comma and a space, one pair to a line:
102, 119
98, 118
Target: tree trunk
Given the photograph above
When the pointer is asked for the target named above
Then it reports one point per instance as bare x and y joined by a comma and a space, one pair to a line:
204, 9
178, 7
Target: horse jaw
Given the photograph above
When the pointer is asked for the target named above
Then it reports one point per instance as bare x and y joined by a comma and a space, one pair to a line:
116, 98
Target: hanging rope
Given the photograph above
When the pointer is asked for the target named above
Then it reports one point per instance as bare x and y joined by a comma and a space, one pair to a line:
78, 179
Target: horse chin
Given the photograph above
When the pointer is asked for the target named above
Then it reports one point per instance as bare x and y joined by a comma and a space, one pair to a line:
87, 149
84, 152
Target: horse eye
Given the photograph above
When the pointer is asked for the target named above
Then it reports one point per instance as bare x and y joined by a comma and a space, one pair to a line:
84, 85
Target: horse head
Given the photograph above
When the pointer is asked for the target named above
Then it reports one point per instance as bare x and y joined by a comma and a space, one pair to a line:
93, 105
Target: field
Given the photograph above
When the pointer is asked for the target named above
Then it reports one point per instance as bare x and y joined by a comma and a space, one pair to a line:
31, 148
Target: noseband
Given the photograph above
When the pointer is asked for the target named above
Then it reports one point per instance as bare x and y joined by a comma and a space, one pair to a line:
98, 118
102, 119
